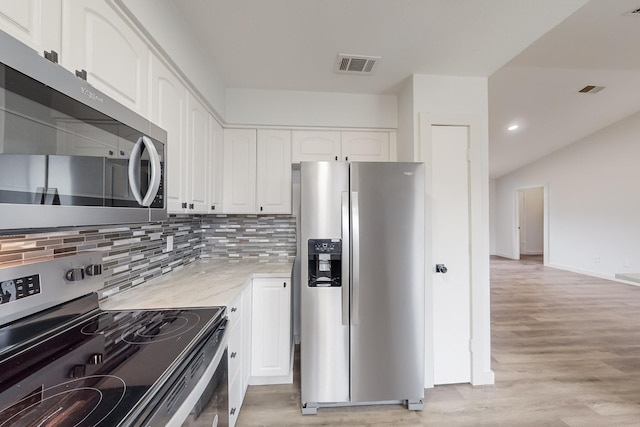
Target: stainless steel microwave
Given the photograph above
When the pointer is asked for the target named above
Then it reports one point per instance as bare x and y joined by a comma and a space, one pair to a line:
70, 155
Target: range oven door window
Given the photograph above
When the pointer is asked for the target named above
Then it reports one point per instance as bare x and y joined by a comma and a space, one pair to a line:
55, 150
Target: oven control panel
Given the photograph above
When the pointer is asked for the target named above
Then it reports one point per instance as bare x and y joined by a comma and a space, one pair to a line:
15, 289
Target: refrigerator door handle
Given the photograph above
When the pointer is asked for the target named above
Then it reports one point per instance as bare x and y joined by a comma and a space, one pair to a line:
355, 257
345, 258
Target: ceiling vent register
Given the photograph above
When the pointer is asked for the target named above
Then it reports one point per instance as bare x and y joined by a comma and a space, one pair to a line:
356, 64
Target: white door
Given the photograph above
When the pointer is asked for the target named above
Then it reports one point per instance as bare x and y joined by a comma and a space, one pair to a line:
450, 247
521, 225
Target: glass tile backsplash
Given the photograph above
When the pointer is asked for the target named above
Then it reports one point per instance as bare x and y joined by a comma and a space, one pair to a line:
138, 252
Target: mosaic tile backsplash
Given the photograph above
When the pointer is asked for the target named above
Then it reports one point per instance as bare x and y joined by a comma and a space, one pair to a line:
135, 253
248, 236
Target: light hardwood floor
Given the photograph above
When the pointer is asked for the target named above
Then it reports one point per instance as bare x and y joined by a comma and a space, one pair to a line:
566, 352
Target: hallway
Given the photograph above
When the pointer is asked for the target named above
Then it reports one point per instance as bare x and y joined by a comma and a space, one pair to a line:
566, 352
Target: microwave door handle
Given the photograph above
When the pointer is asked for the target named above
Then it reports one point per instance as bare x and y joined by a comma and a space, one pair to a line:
156, 173
134, 171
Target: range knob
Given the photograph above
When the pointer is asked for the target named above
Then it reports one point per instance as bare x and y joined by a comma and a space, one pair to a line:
93, 269
74, 274
95, 359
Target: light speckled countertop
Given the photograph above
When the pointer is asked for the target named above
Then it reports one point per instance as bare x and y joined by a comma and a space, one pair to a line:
200, 284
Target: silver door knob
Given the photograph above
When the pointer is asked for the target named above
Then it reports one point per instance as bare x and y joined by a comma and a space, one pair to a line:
441, 268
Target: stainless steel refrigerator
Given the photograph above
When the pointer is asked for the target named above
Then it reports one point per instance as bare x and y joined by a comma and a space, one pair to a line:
362, 284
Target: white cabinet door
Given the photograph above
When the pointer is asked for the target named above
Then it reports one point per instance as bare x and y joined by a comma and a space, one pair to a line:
246, 337
36, 23
239, 183
168, 102
214, 168
199, 142
365, 146
274, 171
96, 39
271, 328
311, 146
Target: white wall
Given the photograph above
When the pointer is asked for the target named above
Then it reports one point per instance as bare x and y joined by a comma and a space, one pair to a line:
458, 101
322, 109
164, 25
593, 202
406, 146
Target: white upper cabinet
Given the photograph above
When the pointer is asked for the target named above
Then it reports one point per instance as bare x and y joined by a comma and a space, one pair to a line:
351, 146
214, 168
96, 39
365, 146
36, 23
200, 142
257, 171
312, 146
168, 103
239, 182
274, 171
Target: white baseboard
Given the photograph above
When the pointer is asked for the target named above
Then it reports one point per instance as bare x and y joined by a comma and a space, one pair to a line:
484, 378
593, 274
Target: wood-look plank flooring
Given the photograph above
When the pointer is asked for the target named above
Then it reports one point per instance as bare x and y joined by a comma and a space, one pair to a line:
565, 352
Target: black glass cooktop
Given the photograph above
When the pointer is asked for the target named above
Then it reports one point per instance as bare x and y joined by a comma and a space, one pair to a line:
95, 368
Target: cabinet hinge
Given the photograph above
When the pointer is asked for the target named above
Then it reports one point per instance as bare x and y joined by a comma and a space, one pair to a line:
51, 56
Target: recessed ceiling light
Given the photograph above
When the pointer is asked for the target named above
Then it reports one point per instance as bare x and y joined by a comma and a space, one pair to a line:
512, 127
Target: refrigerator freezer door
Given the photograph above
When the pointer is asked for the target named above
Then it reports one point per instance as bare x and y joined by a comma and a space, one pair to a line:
387, 341
324, 347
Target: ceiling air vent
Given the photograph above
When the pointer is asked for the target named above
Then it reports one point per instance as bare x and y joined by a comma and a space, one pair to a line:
591, 89
356, 64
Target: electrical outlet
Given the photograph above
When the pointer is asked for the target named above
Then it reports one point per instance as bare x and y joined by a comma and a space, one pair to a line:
169, 243
596, 259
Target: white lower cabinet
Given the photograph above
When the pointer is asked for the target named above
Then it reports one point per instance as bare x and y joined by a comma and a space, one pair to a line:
271, 342
238, 350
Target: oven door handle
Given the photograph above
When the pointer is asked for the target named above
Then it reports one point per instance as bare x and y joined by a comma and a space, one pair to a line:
134, 171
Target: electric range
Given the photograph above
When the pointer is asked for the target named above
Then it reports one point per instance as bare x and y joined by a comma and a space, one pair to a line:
66, 362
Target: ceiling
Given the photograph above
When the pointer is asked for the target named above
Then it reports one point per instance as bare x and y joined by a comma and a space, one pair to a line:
537, 55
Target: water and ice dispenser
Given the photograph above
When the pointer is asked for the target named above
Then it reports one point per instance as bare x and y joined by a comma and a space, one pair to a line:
325, 262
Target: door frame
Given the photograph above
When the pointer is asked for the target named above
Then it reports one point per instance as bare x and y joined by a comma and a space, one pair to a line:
479, 242
515, 237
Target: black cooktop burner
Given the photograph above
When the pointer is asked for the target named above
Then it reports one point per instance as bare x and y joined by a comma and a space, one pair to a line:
98, 369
